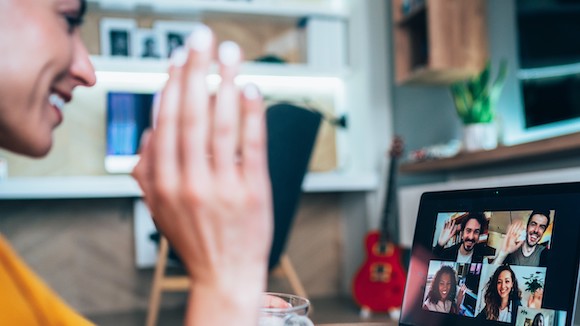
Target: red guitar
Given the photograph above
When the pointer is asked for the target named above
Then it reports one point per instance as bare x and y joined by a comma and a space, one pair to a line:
380, 282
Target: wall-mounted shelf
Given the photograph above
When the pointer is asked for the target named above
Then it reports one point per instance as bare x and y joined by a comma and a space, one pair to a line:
413, 13
124, 186
439, 42
326, 8
138, 65
567, 145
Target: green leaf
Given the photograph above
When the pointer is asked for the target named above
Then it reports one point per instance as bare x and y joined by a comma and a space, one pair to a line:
479, 82
475, 98
498, 83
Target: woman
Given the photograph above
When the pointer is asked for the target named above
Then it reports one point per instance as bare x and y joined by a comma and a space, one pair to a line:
202, 205
441, 296
502, 296
538, 320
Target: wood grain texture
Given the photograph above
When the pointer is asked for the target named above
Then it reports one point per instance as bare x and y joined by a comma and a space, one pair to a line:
84, 250
441, 42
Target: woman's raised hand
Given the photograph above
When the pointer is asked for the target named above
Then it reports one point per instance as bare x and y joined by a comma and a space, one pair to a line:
204, 174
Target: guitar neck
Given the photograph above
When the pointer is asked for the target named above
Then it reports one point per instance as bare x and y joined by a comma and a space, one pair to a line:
389, 200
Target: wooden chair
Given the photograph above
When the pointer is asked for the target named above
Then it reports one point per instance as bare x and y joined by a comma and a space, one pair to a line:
292, 133
180, 283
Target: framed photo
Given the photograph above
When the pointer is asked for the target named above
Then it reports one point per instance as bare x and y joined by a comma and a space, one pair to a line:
146, 44
172, 34
116, 36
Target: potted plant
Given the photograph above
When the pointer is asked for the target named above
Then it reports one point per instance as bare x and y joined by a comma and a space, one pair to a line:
475, 101
535, 286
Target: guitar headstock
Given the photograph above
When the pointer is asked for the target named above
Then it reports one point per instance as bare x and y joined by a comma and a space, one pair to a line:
397, 147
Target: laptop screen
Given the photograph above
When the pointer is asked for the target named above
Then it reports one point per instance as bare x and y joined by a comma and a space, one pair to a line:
495, 256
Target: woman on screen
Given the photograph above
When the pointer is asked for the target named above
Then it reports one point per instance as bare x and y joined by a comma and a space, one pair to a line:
538, 320
441, 296
502, 296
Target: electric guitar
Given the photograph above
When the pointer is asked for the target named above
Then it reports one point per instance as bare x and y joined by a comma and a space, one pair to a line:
379, 284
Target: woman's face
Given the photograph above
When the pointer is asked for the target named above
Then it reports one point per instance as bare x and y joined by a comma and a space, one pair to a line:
43, 60
444, 286
504, 284
541, 321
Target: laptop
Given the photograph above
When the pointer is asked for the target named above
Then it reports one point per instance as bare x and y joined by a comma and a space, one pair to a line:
496, 256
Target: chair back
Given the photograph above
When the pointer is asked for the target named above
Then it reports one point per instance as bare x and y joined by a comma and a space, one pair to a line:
292, 132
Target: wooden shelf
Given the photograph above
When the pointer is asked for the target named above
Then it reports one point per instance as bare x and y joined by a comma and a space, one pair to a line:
413, 13
567, 145
439, 42
423, 75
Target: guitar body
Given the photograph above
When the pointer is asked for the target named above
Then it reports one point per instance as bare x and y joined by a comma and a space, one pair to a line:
380, 282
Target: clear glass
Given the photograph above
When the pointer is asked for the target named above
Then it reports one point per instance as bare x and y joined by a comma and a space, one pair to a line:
284, 310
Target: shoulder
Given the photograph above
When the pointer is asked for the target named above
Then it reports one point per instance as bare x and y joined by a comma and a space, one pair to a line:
454, 248
542, 249
428, 304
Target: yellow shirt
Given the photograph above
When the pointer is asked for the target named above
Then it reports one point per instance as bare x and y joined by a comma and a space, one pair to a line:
25, 300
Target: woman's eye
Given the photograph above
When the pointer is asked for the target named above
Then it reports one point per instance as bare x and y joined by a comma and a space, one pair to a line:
73, 22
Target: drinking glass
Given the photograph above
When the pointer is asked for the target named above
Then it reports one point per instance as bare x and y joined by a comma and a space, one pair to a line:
282, 309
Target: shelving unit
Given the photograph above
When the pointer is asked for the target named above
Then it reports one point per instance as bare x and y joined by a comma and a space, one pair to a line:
562, 146
153, 71
439, 42
136, 65
277, 8
253, 25
124, 186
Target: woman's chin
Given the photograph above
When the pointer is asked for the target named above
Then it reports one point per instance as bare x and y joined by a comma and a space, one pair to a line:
36, 149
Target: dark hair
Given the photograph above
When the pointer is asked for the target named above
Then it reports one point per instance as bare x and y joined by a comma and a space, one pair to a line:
83, 8
544, 212
492, 298
478, 216
537, 319
434, 295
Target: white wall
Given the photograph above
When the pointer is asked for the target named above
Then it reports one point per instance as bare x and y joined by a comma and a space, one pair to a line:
409, 196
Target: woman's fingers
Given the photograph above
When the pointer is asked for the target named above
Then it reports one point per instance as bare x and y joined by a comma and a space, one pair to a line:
227, 113
142, 171
163, 156
194, 108
253, 142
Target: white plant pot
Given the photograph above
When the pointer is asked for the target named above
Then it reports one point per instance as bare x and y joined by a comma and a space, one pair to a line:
479, 136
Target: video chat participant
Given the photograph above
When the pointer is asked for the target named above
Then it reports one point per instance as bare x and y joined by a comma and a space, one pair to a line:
441, 296
515, 251
468, 250
502, 296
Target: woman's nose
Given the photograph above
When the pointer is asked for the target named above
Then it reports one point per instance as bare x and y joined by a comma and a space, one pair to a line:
82, 69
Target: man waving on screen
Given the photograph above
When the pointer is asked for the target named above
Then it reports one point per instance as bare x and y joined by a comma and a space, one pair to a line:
530, 252
468, 250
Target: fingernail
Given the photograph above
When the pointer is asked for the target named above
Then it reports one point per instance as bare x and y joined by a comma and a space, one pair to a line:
200, 38
229, 53
178, 57
251, 92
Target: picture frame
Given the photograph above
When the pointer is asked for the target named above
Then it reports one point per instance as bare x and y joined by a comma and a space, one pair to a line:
146, 44
116, 36
172, 34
